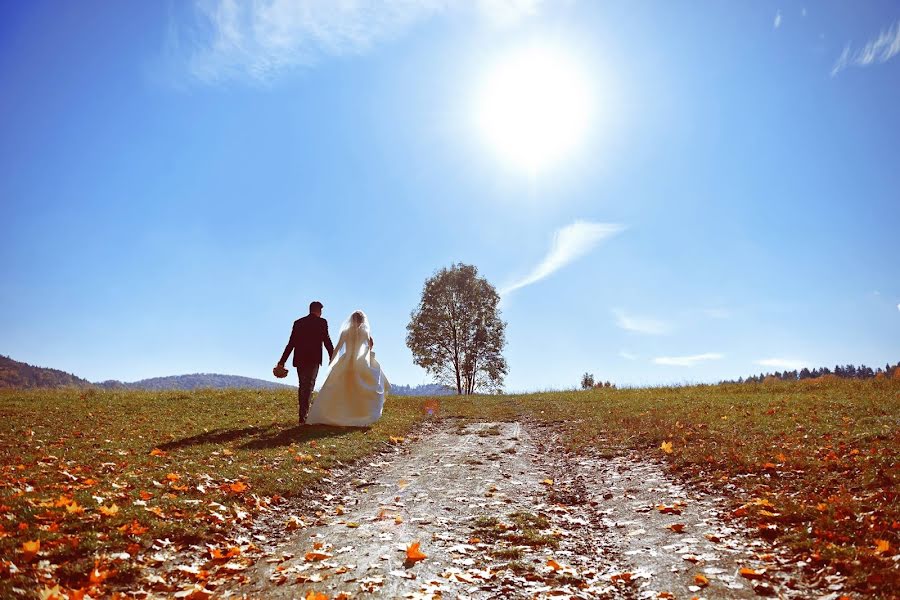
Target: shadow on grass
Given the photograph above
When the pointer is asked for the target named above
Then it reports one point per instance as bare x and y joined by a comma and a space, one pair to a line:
257, 438
296, 434
216, 436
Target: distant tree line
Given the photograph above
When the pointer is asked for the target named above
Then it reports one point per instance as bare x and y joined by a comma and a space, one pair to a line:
588, 383
839, 372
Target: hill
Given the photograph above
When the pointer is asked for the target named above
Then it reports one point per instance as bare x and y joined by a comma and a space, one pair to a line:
15, 374
194, 381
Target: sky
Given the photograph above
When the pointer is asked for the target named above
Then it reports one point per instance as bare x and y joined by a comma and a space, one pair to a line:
663, 192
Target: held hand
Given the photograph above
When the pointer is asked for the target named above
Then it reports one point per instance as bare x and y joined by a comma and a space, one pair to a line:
371, 343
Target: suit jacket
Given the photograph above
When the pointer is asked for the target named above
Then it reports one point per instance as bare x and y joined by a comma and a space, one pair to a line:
307, 337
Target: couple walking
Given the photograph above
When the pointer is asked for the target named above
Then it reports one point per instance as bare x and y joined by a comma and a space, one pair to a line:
353, 393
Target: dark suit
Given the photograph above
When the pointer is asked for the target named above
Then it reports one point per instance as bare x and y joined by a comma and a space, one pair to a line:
308, 336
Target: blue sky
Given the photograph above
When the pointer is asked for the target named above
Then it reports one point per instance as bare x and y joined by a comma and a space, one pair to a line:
180, 179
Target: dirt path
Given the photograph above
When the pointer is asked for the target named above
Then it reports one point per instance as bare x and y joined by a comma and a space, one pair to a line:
500, 511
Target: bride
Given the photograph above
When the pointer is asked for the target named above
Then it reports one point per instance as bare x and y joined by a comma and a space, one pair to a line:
353, 393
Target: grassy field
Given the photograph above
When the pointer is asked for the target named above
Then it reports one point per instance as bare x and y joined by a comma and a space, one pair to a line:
88, 475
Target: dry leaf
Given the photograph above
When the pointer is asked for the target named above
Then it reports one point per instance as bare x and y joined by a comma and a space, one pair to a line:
413, 554
677, 527
666, 447
30, 549
109, 511
701, 580
752, 573
882, 546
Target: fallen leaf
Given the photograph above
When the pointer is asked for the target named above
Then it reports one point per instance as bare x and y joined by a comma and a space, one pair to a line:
882, 546
666, 447
623, 577
752, 573
413, 554
554, 565
157, 452
109, 511
238, 486
677, 527
30, 549
312, 595
547, 482
701, 580
314, 555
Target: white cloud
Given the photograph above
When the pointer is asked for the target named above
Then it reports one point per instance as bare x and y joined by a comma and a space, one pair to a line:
638, 324
627, 355
569, 243
788, 364
803, 12
777, 23
234, 39
879, 50
717, 313
686, 361
898, 306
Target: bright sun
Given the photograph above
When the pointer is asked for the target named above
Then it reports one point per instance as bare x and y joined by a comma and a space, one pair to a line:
534, 107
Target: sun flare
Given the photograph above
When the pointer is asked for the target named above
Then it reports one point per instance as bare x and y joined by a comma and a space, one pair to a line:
534, 107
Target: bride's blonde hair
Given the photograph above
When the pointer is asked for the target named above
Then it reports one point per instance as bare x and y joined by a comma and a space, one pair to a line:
358, 318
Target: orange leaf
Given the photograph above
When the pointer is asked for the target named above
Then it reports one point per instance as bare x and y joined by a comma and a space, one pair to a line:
238, 486
554, 565
314, 555
701, 580
547, 482
157, 452
413, 553
752, 573
98, 576
666, 447
173, 476
623, 577
396, 439
109, 511
30, 549
75, 508
398, 519
311, 595
882, 546
677, 527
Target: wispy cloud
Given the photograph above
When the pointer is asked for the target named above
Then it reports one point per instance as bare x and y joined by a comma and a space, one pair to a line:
687, 361
627, 355
640, 324
879, 50
717, 313
569, 243
777, 22
898, 306
790, 364
233, 39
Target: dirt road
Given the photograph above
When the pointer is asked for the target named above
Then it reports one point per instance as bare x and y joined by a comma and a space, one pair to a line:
499, 510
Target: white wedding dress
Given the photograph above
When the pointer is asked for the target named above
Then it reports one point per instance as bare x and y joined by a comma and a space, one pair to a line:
353, 393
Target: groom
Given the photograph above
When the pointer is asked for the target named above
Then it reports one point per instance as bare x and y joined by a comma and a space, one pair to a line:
307, 337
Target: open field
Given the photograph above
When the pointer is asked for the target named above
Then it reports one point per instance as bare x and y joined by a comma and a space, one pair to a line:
89, 476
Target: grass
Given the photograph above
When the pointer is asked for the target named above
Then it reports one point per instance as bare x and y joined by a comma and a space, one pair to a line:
811, 465
176, 465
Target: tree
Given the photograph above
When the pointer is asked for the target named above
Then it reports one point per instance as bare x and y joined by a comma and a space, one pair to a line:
456, 332
587, 381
